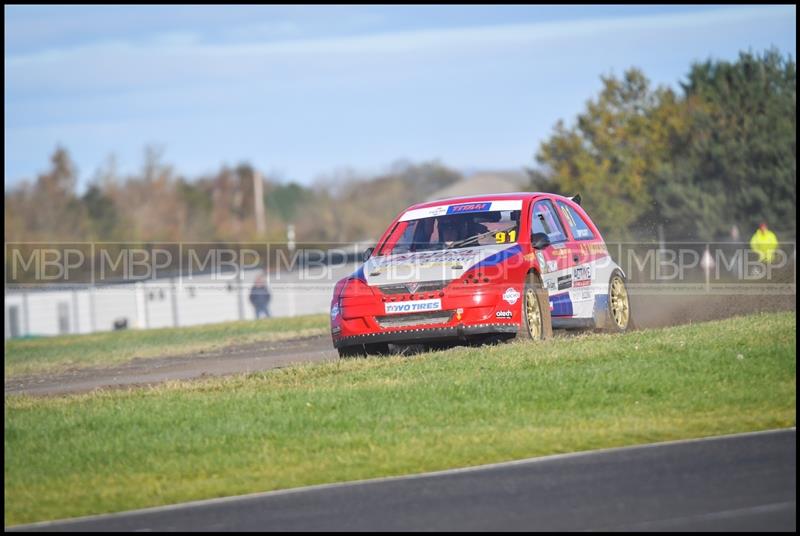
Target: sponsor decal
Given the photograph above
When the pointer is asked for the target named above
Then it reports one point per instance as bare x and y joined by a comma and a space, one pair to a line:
542, 264
461, 208
552, 266
468, 207
412, 287
594, 249
335, 310
437, 265
567, 215
550, 284
582, 275
511, 296
414, 306
583, 272
445, 257
564, 282
580, 294
419, 213
504, 314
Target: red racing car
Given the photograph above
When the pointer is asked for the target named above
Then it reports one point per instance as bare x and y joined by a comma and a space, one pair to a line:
476, 268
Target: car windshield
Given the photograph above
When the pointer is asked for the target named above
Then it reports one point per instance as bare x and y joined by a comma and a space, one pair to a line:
453, 231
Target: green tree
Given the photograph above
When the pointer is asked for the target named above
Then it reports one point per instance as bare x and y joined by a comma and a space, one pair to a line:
721, 153
610, 152
284, 200
50, 209
196, 197
737, 162
103, 217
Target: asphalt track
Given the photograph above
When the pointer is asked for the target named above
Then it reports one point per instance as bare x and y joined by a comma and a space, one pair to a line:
734, 483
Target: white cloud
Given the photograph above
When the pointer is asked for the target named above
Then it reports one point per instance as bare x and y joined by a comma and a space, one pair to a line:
468, 95
180, 59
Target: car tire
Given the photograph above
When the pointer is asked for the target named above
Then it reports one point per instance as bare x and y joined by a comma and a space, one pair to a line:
535, 322
352, 351
620, 317
377, 349
363, 350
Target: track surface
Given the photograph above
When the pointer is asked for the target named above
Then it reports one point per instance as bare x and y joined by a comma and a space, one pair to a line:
648, 310
733, 483
230, 360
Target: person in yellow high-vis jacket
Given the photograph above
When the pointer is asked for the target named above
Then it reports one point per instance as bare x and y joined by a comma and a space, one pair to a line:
764, 242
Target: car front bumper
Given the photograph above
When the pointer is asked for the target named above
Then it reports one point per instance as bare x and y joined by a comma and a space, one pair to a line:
458, 333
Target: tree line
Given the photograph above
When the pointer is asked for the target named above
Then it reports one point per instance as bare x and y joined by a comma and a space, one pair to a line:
718, 152
158, 204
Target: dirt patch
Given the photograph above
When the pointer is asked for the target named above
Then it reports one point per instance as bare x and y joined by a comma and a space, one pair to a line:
654, 311
650, 310
138, 372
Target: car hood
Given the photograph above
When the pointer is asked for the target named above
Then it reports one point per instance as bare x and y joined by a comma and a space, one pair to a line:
444, 265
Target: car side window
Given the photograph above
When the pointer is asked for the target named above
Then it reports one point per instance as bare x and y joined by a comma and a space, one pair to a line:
577, 225
546, 221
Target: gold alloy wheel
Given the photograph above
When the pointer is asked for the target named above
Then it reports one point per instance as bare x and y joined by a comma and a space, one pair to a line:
620, 309
533, 314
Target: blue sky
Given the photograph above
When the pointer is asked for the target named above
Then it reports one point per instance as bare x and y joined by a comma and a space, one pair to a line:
304, 92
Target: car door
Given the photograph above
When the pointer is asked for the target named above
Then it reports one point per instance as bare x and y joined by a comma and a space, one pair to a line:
556, 259
583, 245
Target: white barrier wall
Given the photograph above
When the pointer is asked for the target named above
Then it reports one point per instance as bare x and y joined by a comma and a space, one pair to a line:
167, 302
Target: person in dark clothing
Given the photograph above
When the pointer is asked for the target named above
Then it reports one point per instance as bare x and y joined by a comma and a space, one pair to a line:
259, 297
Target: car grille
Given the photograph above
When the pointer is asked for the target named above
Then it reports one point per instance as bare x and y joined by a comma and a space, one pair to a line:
403, 288
416, 319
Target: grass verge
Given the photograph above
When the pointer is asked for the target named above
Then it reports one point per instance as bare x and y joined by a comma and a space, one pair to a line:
54, 354
117, 450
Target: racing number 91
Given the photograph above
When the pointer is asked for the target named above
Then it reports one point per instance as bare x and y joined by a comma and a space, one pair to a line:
503, 237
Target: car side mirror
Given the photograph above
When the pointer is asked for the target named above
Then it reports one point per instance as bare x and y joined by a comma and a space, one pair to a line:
367, 254
540, 240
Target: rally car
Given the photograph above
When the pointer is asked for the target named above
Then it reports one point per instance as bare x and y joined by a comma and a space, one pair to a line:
469, 269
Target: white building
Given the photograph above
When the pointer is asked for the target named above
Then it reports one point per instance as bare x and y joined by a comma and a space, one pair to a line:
171, 302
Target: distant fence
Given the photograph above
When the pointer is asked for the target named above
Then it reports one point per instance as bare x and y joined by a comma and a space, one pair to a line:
84, 288
687, 264
53, 289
